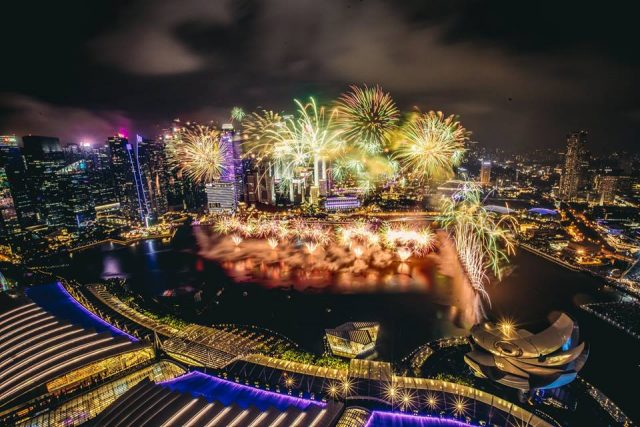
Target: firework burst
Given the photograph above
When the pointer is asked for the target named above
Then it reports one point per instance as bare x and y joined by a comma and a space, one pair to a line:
259, 128
367, 116
409, 240
228, 225
237, 114
293, 144
358, 233
483, 242
430, 145
198, 153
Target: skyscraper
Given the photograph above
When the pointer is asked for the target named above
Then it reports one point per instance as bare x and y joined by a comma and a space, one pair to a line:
102, 181
43, 158
573, 170
223, 193
12, 161
485, 172
9, 226
128, 188
74, 181
606, 186
153, 174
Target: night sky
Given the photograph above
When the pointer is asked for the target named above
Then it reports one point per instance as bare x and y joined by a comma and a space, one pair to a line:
520, 74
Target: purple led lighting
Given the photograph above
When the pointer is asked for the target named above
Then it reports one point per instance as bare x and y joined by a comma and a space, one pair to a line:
55, 299
395, 419
226, 143
228, 392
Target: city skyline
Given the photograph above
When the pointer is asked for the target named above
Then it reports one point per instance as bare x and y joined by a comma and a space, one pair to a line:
514, 87
363, 213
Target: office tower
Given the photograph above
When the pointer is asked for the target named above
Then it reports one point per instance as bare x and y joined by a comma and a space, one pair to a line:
239, 165
12, 161
128, 188
9, 226
485, 172
223, 193
102, 181
573, 170
606, 187
153, 172
74, 181
43, 158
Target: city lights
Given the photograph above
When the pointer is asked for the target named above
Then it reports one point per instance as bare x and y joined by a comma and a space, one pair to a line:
319, 214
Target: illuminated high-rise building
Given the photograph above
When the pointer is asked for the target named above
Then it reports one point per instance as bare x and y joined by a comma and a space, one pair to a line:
573, 170
12, 161
128, 188
153, 174
9, 226
74, 181
102, 181
485, 172
43, 158
223, 193
606, 187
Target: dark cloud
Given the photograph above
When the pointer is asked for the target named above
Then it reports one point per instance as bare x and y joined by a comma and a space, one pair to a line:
30, 116
519, 78
145, 39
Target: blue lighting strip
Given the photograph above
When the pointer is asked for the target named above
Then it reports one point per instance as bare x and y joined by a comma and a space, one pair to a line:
395, 419
55, 299
228, 392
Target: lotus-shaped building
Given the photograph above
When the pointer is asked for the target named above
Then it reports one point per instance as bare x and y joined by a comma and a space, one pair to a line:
522, 360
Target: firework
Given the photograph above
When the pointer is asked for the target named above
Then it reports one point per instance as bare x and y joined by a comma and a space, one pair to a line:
228, 225
430, 145
418, 241
291, 145
366, 117
259, 128
306, 140
482, 241
268, 228
237, 114
199, 153
360, 233
403, 254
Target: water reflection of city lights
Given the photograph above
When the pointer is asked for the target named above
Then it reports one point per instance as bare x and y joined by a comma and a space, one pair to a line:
311, 247
236, 239
403, 253
273, 243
